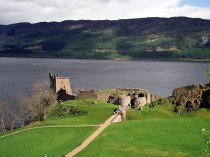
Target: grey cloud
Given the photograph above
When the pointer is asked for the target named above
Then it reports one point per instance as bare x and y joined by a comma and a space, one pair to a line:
13, 11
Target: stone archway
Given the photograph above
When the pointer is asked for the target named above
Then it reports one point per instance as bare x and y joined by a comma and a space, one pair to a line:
140, 95
132, 103
205, 99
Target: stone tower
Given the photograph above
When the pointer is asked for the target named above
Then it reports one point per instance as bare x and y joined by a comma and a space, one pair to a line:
58, 83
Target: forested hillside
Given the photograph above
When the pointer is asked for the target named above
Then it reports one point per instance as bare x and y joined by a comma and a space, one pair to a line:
177, 38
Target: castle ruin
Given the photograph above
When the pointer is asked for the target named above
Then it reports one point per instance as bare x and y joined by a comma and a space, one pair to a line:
135, 97
93, 94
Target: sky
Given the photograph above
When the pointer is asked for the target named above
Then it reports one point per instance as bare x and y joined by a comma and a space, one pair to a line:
33, 11
198, 3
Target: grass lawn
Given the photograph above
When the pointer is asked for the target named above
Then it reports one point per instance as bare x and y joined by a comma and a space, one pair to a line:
58, 140
97, 112
54, 142
152, 132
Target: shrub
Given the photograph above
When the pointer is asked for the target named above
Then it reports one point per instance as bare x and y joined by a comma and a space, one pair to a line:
161, 101
206, 138
179, 109
74, 111
60, 110
191, 87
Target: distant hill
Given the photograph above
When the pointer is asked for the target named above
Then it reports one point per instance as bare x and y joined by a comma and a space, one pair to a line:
176, 38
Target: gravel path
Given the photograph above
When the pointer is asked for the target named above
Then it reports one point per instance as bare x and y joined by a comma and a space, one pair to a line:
92, 136
56, 126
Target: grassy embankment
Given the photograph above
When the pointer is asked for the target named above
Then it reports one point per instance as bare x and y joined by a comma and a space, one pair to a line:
153, 132
61, 137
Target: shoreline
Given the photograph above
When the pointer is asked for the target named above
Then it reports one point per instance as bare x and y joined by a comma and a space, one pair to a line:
114, 59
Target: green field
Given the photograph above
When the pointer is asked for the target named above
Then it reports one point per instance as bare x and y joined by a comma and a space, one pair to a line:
153, 132
97, 112
61, 137
54, 142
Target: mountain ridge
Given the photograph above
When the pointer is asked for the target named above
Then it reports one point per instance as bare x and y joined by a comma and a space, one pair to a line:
175, 38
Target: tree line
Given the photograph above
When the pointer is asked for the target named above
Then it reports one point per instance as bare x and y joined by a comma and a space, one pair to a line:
28, 108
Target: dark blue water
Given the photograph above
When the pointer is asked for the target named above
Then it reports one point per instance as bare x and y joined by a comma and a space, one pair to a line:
18, 74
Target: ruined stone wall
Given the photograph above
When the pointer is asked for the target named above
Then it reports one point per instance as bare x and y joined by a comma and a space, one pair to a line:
124, 100
52, 82
63, 96
140, 102
131, 90
104, 96
86, 95
148, 97
113, 98
154, 97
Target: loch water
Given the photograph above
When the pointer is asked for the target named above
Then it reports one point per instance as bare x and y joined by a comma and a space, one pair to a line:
17, 75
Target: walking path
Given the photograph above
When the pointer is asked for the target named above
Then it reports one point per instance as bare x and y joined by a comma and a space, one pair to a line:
93, 136
101, 128
55, 126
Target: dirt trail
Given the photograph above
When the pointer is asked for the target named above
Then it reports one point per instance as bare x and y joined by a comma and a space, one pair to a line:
92, 136
55, 126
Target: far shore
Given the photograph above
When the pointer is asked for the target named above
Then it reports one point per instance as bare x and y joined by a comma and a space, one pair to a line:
114, 59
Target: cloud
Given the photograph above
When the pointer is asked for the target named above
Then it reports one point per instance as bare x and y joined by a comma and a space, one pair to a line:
13, 11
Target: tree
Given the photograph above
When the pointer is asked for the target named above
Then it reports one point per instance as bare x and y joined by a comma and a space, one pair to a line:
36, 106
11, 115
43, 99
3, 110
25, 108
8, 116
29, 108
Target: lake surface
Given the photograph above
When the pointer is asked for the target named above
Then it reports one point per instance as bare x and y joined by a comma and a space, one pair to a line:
19, 74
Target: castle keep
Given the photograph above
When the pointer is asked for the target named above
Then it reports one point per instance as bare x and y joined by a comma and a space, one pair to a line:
59, 83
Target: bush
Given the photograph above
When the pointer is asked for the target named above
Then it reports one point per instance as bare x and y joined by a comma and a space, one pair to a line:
161, 101
73, 111
60, 110
152, 105
65, 111
179, 109
191, 87
206, 138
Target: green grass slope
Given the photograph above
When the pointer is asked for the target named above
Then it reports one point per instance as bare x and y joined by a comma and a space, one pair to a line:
154, 137
58, 135
152, 132
54, 142
96, 112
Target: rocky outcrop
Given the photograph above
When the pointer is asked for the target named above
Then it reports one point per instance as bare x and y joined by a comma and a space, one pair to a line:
191, 97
